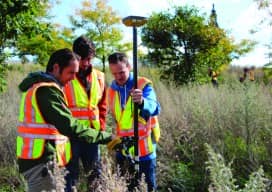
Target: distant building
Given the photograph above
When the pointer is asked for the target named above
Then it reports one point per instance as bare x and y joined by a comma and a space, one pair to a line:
213, 17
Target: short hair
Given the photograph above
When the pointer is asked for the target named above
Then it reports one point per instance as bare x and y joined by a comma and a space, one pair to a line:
117, 57
83, 47
62, 57
245, 69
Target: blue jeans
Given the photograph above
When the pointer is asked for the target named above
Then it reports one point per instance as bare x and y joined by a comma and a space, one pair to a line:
147, 167
90, 158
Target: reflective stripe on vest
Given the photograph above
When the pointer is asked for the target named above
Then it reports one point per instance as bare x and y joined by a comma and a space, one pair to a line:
124, 119
32, 130
83, 108
156, 132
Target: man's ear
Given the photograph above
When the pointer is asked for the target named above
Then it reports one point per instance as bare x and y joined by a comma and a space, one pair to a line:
129, 66
56, 68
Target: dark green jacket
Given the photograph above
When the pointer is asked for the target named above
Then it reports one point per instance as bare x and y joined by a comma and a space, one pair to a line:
55, 111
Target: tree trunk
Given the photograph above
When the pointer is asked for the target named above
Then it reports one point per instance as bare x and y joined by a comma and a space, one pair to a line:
103, 62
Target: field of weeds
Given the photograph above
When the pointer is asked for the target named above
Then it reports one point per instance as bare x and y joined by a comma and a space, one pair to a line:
204, 131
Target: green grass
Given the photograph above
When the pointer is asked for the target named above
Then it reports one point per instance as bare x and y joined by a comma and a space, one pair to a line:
10, 181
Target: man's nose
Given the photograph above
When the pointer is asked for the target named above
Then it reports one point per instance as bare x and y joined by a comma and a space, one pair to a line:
118, 76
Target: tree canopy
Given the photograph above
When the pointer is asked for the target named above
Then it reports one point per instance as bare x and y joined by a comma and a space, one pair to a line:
100, 22
42, 46
184, 45
19, 17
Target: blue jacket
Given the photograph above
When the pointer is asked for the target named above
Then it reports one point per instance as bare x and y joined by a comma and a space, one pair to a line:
150, 107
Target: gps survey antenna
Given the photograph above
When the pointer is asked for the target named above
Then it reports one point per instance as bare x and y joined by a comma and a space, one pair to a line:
134, 22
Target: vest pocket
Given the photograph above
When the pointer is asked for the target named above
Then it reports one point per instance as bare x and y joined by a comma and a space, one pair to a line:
29, 148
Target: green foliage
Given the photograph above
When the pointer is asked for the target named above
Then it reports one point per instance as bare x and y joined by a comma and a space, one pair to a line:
220, 174
234, 146
11, 180
181, 178
3, 83
184, 45
42, 47
222, 179
257, 182
101, 25
21, 17
267, 75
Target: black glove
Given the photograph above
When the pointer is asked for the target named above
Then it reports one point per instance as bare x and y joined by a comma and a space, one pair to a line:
106, 138
127, 142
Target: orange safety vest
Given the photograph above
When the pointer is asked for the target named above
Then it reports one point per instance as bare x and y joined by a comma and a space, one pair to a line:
124, 120
251, 75
33, 131
214, 75
83, 108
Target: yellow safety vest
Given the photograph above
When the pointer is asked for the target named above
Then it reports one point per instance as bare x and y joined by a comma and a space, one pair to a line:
83, 108
33, 131
124, 120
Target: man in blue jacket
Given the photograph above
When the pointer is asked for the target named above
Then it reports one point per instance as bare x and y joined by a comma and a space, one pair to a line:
121, 95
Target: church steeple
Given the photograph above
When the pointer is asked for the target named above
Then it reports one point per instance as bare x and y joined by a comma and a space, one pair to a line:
213, 17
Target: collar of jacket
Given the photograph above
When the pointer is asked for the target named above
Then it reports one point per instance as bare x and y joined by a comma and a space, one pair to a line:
54, 79
82, 74
128, 85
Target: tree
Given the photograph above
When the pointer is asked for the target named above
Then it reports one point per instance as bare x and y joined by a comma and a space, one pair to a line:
43, 46
101, 25
19, 17
183, 45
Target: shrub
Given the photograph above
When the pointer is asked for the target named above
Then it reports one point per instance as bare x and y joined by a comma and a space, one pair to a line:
222, 179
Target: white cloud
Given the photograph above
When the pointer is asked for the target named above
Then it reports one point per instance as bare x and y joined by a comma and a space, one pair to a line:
257, 58
249, 19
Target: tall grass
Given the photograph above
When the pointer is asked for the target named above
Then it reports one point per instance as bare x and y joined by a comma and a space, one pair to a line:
234, 119
9, 107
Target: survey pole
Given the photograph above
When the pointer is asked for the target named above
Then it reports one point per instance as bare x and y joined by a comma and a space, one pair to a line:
134, 22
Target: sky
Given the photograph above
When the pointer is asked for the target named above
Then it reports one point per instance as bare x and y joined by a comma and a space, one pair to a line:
237, 17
